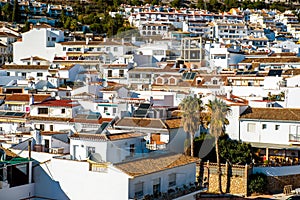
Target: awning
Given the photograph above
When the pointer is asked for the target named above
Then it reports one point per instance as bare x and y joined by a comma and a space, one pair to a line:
275, 146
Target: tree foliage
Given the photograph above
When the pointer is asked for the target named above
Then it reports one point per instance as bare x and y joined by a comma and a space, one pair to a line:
191, 107
257, 183
234, 152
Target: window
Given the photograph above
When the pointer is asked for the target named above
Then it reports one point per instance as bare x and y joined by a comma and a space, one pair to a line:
63, 111
172, 81
64, 48
42, 127
23, 74
172, 180
277, 127
138, 190
39, 74
156, 186
105, 109
131, 149
42, 110
109, 73
107, 48
215, 82
251, 127
115, 49
121, 73
114, 110
264, 126
53, 39
90, 150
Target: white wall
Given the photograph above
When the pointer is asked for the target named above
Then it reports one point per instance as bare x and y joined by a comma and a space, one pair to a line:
81, 150
118, 150
19, 192
184, 175
34, 43
292, 97
79, 183
233, 117
293, 81
272, 82
268, 135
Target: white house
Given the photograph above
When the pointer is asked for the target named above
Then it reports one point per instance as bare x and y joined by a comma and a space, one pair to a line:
270, 125
112, 146
53, 115
96, 179
39, 41
170, 171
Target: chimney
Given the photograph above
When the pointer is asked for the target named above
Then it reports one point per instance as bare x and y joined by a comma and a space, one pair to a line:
228, 94
31, 60
29, 149
31, 99
87, 40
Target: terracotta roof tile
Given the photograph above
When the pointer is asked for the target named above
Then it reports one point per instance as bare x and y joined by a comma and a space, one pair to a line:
279, 114
272, 60
141, 122
58, 103
38, 118
85, 136
120, 136
32, 67
26, 97
173, 123
52, 133
34, 58
154, 164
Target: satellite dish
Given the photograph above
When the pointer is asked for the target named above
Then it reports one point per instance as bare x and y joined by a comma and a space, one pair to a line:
53, 94
78, 127
104, 84
96, 157
57, 98
45, 88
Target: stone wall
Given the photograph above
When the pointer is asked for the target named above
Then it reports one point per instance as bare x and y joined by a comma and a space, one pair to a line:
277, 183
234, 178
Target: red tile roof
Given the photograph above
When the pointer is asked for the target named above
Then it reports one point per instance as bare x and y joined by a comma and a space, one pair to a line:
141, 122
58, 119
58, 103
279, 114
26, 97
155, 164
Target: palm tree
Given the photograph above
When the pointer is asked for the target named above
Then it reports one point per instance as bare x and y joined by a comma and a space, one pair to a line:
218, 110
191, 107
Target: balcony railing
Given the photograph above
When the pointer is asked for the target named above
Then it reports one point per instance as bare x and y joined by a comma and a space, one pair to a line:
156, 146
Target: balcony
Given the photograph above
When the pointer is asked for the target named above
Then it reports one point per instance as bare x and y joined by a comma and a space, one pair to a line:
294, 138
155, 146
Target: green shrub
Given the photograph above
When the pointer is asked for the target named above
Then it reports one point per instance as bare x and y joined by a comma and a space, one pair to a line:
257, 183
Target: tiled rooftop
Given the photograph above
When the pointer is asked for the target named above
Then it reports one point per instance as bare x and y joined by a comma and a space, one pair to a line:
154, 164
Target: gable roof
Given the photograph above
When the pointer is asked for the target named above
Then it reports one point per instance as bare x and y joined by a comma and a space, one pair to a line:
26, 97
280, 114
141, 122
58, 103
104, 137
34, 58
32, 67
154, 164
